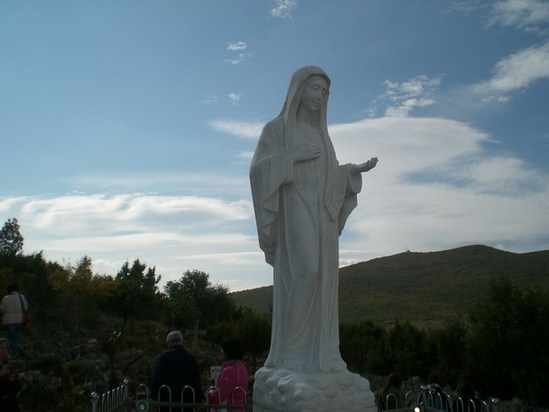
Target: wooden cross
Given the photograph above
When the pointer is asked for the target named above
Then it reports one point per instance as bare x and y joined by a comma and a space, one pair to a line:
195, 332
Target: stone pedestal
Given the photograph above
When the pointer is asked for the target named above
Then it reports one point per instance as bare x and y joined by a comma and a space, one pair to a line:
282, 390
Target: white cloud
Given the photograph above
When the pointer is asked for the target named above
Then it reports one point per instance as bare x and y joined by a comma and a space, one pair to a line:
162, 231
241, 45
210, 99
129, 213
244, 258
283, 9
240, 59
401, 98
516, 72
530, 15
407, 144
6, 205
124, 243
108, 181
245, 155
499, 175
240, 129
240, 56
435, 187
234, 98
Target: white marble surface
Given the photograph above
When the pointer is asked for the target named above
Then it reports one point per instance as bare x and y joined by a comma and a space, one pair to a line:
279, 389
302, 198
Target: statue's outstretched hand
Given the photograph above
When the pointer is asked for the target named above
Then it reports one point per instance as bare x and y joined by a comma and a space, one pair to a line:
364, 167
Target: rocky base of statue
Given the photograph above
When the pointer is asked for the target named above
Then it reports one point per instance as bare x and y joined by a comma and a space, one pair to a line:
283, 390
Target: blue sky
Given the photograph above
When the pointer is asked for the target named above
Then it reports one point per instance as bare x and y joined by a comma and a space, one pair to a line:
127, 127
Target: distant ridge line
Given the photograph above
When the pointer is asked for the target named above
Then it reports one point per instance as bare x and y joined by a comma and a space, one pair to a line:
421, 287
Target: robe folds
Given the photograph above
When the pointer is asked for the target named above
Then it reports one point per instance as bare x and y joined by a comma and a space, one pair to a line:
301, 209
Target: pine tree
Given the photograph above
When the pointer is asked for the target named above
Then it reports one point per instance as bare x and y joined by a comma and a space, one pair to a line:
11, 241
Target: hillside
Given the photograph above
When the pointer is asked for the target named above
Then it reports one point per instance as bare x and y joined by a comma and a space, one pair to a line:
424, 288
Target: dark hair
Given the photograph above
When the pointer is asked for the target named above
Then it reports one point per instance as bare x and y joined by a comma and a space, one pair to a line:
13, 287
233, 348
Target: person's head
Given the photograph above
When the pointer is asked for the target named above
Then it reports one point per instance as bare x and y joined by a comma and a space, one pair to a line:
232, 348
13, 287
175, 337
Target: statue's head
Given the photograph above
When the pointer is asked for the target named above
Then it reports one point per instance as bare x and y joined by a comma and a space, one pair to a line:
306, 83
314, 93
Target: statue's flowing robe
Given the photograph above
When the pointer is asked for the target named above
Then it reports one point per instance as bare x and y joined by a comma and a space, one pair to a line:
300, 210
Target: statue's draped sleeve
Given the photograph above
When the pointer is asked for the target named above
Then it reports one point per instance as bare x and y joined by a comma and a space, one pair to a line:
353, 186
271, 168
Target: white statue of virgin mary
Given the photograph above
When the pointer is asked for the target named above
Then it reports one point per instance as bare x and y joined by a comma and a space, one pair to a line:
302, 198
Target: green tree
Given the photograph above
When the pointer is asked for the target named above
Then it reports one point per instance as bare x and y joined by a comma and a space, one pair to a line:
448, 344
508, 345
137, 295
31, 273
405, 350
362, 347
81, 295
11, 240
194, 297
255, 331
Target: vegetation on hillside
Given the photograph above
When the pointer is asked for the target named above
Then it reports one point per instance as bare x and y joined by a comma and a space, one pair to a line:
499, 348
110, 317
496, 343
426, 289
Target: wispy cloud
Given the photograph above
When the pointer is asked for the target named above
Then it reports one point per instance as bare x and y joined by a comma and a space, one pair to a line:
245, 155
155, 228
401, 98
283, 9
112, 182
407, 145
530, 15
241, 56
241, 45
209, 99
128, 212
240, 129
234, 98
516, 72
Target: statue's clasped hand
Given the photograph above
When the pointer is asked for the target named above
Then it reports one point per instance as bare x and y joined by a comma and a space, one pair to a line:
308, 152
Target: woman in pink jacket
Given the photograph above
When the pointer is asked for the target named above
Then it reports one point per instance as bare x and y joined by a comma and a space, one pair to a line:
231, 385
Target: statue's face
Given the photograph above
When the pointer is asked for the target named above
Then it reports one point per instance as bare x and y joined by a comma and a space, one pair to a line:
314, 94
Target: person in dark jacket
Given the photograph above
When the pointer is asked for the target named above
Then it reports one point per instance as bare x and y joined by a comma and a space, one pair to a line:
177, 369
